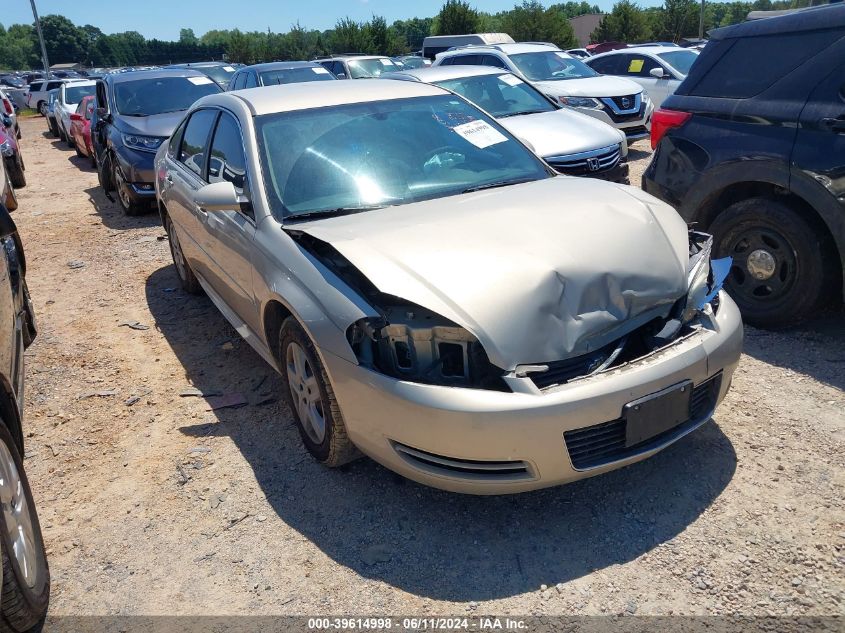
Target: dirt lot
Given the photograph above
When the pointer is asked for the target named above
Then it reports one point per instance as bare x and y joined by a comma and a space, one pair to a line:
152, 504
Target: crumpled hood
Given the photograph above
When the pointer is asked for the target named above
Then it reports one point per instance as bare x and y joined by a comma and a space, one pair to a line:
537, 272
602, 86
562, 132
155, 125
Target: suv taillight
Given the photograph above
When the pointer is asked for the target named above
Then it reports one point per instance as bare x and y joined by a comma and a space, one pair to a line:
664, 120
8, 106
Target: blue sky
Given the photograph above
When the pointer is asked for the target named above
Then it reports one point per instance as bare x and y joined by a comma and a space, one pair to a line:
164, 18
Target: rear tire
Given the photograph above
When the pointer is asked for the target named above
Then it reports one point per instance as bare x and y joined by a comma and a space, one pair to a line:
311, 400
187, 279
26, 586
779, 275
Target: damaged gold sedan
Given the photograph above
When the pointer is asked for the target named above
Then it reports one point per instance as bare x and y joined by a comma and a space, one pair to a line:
436, 297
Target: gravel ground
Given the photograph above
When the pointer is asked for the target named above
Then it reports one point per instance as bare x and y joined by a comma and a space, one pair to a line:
152, 504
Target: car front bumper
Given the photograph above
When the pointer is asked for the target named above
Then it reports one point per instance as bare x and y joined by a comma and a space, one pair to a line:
489, 442
635, 126
139, 172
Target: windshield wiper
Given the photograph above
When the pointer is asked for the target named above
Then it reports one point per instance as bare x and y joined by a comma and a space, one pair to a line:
138, 114
497, 183
331, 213
504, 116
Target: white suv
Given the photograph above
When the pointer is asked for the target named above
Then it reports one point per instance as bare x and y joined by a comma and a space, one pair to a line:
567, 80
37, 92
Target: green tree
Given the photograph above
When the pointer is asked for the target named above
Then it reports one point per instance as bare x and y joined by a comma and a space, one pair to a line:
678, 18
65, 41
531, 22
350, 36
413, 31
456, 17
625, 23
186, 36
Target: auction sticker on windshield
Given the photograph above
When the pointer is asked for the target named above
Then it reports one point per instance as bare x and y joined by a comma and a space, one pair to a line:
511, 80
320, 71
199, 81
480, 133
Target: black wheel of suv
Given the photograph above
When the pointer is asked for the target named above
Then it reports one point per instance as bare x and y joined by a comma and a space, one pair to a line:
778, 275
26, 576
124, 197
183, 269
310, 398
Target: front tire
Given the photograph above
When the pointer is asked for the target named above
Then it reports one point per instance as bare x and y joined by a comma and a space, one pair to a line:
779, 274
26, 575
124, 198
187, 279
310, 398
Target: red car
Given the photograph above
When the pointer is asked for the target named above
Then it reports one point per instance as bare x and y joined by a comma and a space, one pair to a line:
80, 128
10, 152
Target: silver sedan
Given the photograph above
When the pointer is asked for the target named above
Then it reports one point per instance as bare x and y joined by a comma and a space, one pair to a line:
435, 295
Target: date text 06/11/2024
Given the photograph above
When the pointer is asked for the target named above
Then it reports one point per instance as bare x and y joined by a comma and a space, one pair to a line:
481, 623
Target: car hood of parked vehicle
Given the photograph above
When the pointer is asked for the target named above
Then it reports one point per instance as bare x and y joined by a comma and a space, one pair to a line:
538, 272
154, 125
562, 132
602, 86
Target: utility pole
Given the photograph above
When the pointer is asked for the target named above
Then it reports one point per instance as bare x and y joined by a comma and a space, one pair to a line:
701, 22
44, 59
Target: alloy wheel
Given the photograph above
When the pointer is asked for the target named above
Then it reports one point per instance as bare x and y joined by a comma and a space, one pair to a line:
17, 518
305, 392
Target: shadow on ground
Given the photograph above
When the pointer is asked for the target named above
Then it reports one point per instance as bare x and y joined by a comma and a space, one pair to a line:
112, 214
816, 348
425, 541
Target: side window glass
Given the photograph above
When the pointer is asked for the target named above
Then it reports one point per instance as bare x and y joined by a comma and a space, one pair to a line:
467, 60
605, 65
226, 162
238, 81
492, 60
35, 86
338, 69
250, 80
194, 145
175, 140
639, 66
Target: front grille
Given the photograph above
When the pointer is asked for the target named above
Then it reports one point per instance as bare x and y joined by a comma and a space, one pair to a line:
591, 163
604, 443
624, 103
493, 470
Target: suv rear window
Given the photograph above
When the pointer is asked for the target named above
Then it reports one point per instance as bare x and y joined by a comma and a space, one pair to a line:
753, 64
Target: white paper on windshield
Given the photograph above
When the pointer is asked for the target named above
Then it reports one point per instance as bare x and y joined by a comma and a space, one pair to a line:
320, 71
480, 133
562, 55
199, 81
511, 80
229, 69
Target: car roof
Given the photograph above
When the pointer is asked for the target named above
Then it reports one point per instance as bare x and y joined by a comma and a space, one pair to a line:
198, 65
135, 75
812, 18
640, 50
507, 49
280, 66
317, 94
444, 73
86, 82
324, 59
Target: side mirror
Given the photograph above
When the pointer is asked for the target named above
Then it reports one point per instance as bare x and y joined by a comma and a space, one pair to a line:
341, 75
218, 196
103, 114
659, 73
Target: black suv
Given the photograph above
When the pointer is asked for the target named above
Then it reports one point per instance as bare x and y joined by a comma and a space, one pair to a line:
136, 112
751, 147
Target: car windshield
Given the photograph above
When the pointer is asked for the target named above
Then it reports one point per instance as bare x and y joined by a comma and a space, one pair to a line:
681, 60
220, 74
365, 155
362, 68
500, 95
146, 97
74, 94
295, 75
551, 66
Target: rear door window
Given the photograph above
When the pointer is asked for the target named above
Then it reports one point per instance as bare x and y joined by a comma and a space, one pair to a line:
492, 60
606, 65
238, 82
250, 80
638, 65
753, 64
35, 86
194, 147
